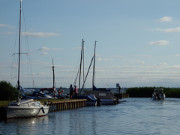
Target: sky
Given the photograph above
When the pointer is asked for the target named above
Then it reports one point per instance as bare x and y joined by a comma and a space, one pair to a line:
138, 42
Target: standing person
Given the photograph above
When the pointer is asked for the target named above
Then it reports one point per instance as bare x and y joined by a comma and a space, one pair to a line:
71, 91
59, 91
119, 89
75, 90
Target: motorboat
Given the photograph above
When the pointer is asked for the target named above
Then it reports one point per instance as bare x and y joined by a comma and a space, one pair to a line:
26, 108
158, 94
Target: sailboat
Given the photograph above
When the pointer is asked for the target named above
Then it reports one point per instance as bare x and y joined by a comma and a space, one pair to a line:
50, 92
91, 99
27, 107
104, 96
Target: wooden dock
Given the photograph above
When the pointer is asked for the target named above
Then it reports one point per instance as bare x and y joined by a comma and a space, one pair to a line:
122, 95
66, 105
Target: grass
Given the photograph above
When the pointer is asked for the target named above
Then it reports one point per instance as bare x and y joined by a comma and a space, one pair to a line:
6, 102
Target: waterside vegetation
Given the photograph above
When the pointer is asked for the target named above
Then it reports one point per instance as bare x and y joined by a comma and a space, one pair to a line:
7, 91
147, 92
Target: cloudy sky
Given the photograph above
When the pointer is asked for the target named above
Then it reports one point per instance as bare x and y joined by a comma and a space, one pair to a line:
138, 41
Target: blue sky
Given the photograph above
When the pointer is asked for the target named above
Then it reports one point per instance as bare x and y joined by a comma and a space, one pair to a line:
138, 41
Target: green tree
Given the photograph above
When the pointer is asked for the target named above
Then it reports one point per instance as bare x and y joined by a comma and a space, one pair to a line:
8, 92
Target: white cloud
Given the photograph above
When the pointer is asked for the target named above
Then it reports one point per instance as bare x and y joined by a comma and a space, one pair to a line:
44, 53
43, 48
6, 33
163, 64
159, 42
104, 59
169, 29
39, 34
57, 49
165, 19
177, 55
117, 56
6, 26
76, 48
136, 61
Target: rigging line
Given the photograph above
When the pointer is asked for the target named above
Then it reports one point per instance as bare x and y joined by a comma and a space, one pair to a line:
87, 74
76, 78
28, 47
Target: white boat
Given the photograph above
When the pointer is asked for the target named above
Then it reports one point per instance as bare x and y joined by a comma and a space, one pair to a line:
28, 107
158, 94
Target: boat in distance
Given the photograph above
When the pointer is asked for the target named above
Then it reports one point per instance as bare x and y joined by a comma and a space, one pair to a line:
158, 94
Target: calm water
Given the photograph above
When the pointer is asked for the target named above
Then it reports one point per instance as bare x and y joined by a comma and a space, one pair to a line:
137, 116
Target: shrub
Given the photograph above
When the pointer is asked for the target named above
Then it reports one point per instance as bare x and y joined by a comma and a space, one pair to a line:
8, 92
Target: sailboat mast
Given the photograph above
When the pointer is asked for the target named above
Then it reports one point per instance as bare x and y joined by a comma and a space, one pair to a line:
53, 78
53, 75
80, 67
19, 53
83, 58
93, 79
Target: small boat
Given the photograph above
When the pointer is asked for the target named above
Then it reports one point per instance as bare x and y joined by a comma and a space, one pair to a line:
28, 107
105, 97
158, 94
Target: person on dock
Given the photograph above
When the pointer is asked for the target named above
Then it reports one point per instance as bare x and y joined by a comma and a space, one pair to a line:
71, 91
60, 91
75, 90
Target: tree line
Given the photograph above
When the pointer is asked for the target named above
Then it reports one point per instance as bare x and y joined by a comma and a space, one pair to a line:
8, 92
147, 92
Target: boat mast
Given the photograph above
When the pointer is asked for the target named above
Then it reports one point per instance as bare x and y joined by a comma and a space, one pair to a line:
53, 76
81, 62
93, 78
83, 59
19, 53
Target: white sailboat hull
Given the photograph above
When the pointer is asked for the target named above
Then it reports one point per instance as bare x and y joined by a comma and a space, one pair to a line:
26, 112
29, 108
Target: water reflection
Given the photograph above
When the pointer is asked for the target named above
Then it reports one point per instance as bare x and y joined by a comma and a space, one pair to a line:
136, 116
75, 122
22, 126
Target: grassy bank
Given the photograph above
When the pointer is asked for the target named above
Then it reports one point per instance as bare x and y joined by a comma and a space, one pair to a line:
5, 102
147, 92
